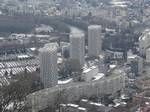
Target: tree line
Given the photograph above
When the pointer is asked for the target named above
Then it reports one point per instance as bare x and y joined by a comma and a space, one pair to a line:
26, 23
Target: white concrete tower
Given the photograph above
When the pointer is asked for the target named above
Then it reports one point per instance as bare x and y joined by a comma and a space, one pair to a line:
77, 50
94, 40
48, 65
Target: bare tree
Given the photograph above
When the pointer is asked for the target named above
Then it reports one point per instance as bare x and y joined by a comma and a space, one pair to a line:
15, 93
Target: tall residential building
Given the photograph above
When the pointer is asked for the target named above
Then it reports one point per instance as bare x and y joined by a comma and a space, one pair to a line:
64, 46
101, 64
94, 40
48, 65
77, 50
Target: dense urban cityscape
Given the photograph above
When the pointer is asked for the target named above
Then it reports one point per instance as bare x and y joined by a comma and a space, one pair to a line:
74, 55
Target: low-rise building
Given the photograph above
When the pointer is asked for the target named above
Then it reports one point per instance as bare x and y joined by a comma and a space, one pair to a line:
91, 73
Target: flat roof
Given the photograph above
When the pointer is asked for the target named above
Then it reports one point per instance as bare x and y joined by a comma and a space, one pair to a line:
77, 35
64, 105
33, 48
84, 100
86, 70
94, 26
81, 108
23, 56
112, 66
64, 81
96, 104
72, 105
99, 76
132, 56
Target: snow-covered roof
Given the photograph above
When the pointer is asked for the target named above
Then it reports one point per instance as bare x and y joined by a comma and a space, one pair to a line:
64, 81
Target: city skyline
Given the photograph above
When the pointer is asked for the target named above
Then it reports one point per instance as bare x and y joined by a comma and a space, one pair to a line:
74, 55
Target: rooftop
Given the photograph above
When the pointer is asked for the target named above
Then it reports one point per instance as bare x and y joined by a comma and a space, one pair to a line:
64, 81
49, 47
86, 70
99, 76
76, 35
72, 105
95, 27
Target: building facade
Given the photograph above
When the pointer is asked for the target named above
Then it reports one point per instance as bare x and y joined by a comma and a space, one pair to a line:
48, 65
77, 50
148, 55
144, 41
94, 40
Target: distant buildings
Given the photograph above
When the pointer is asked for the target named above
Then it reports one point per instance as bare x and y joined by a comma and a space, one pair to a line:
77, 50
71, 108
84, 106
136, 63
48, 65
144, 41
143, 83
147, 62
94, 40
144, 49
148, 55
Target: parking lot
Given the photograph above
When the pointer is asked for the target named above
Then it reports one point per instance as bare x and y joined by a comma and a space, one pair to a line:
15, 67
